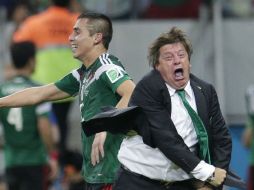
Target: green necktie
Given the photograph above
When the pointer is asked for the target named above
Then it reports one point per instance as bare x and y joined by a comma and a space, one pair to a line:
199, 128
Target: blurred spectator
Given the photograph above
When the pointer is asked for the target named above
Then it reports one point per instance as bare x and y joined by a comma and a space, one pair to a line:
236, 8
72, 162
162, 9
248, 137
16, 14
115, 9
50, 30
75, 6
39, 5
7, 4
27, 131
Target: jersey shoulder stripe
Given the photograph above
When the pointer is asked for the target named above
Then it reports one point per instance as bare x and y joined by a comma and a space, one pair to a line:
76, 73
107, 65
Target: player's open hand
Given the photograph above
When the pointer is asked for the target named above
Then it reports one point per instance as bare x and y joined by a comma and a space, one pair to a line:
98, 147
54, 169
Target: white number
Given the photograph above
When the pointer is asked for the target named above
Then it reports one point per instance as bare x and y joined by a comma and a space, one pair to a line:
15, 118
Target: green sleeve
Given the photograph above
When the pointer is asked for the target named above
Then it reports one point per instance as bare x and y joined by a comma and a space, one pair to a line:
114, 77
69, 84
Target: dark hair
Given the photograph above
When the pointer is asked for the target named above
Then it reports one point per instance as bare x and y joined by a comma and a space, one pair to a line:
21, 52
100, 23
71, 157
175, 35
61, 3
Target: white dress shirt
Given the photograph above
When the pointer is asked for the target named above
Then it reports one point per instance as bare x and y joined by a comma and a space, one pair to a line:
151, 162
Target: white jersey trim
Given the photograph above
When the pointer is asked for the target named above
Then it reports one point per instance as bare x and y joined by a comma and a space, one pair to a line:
43, 108
76, 75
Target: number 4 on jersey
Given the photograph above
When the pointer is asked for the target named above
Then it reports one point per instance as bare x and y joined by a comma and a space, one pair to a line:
15, 118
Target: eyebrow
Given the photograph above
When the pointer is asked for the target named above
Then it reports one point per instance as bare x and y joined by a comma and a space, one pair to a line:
167, 54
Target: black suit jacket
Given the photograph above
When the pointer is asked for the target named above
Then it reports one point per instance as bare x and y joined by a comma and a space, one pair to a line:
158, 130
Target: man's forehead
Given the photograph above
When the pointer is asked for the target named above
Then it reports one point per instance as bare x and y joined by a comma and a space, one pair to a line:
174, 46
81, 23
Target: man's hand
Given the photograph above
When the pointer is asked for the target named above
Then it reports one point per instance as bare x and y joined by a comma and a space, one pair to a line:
218, 178
97, 147
54, 169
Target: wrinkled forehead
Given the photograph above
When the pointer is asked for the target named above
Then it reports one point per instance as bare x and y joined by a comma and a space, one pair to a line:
172, 47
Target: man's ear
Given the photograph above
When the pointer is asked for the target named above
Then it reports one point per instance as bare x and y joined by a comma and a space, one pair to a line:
98, 38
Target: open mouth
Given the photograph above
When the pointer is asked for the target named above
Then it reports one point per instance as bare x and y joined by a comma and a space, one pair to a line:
74, 47
179, 74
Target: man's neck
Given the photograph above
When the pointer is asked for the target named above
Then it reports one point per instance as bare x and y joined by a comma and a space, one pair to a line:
90, 59
23, 72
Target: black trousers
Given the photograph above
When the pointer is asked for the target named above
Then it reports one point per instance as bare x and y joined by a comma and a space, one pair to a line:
250, 182
98, 186
61, 111
128, 180
27, 178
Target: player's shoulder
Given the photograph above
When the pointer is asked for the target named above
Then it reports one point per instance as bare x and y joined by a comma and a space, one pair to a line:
108, 60
16, 84
108, 64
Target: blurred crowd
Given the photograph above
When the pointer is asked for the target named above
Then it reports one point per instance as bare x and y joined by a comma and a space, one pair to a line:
128, 9
14, 12
116, 9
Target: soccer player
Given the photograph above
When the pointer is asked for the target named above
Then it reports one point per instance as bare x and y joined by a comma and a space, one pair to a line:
49, 31
100, 81
27, 130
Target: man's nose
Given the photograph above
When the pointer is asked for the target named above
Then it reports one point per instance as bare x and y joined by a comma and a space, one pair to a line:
176, 59
71, 37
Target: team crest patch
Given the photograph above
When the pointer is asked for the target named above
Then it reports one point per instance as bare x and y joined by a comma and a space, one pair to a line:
114, 74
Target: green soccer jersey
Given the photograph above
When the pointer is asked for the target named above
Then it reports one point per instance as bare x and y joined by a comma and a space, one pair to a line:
96, 87
23, 144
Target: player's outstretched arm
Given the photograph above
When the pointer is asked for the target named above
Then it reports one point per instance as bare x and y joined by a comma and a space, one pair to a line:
34, 95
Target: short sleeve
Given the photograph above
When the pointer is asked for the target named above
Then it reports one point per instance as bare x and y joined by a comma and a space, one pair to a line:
43, 109
112, 75
70, 83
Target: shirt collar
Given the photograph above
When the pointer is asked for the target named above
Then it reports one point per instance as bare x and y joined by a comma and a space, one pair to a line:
187, 89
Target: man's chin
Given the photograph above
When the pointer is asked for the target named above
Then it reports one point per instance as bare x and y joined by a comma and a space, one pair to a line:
180, 84
76, 56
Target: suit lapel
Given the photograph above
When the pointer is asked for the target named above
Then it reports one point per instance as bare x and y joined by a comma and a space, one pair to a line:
167, 99
163, 89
